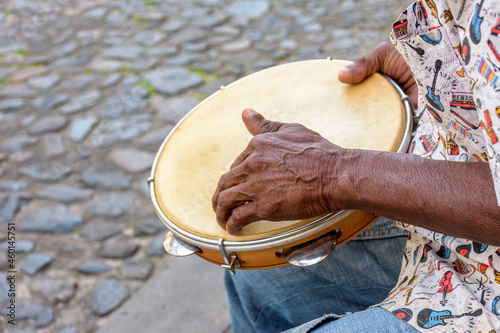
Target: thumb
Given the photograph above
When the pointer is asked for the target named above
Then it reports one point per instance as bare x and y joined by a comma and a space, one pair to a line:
257, 124
366, 65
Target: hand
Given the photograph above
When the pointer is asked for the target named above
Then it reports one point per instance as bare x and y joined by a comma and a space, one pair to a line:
386, 59
280, 176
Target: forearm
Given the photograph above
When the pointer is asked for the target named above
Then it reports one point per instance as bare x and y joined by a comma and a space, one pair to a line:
449, 197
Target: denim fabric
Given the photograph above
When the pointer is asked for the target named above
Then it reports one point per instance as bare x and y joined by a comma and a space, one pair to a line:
373, 320
357, 275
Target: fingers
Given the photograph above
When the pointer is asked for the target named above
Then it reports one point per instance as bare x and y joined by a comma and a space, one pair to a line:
386, 59
257, 124
240, 217
234, 210
235, 177
227, 201
366, 65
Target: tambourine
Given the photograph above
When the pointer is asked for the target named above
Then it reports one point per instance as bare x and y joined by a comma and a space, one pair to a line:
372, 115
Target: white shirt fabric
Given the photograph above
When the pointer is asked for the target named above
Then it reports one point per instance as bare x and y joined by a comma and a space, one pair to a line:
449, 284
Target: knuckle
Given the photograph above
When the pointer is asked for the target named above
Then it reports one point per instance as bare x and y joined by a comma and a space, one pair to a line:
222, 181
239, 218
258, 143
362, 60
223, 200
295, 126
365, 60
270, 209
263, 140
252, 163
258, 140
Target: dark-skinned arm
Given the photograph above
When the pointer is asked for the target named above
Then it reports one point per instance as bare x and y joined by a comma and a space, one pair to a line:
453, 198
289, 172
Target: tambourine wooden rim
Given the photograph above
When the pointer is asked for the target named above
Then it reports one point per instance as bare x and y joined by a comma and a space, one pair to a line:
316, 226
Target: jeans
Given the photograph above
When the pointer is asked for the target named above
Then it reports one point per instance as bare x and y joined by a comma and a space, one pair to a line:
355, 276
373, 320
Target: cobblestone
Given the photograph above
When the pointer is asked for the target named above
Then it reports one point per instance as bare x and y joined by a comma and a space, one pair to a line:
12, 104
132, 160
101, 230
106, 180
18, 90
54, 290
35, 262
64, 193
108, 295
18, 143
137, 270
80, 127
49, 102
80, 82
45, 172
124, 52
82, 102
117, 250
127, 100
111, 80
10, 205
103, 65
173, 80
53, 145
56, 219
43, 315
45, 83
48, 124
22, 246
156, 249
88, 92
110, 204
93, 267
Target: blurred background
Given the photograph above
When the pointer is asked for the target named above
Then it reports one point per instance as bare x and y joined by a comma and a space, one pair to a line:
88, 92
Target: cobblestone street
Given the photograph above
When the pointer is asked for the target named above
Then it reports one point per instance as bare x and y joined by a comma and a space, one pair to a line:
88, 92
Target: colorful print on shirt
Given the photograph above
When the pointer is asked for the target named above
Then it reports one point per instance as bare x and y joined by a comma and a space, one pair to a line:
449, 284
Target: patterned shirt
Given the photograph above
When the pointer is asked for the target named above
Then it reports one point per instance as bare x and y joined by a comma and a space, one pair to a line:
449, 284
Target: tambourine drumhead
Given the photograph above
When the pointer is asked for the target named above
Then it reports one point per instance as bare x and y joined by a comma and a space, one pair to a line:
205, 144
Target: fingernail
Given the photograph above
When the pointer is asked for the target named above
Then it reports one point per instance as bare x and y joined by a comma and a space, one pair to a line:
250, 112
345, 70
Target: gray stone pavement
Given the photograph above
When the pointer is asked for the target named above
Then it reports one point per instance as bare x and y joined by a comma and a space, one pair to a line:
88, 91
192, 300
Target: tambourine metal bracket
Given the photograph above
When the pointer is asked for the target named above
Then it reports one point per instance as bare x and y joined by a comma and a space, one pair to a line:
409, 105
230, 260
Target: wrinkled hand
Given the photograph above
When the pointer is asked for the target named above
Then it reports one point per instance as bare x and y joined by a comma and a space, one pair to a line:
289, 172
386, 59
280, 176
